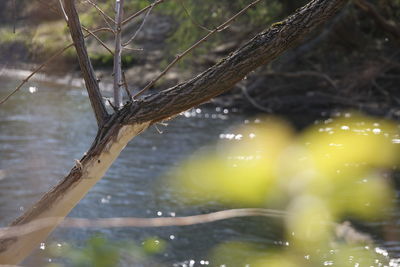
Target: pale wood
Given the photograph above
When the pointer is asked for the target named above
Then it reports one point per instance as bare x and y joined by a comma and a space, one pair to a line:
136, 116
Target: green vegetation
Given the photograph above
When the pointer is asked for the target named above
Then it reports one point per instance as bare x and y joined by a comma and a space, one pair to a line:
328, 173
100, 252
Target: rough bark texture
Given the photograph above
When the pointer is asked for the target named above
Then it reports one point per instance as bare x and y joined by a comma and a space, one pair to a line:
91, 83
136, 116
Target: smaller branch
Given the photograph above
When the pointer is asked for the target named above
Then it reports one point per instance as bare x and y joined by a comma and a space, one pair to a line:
14, 231
63, 11
131, 17
85, 64
35, 71
50, 59
252, 101
140, 27
221, 27
126, 86
191, 18
98, 39
106, 17
112, 105
119, 13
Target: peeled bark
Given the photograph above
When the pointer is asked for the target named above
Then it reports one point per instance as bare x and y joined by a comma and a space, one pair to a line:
136, 116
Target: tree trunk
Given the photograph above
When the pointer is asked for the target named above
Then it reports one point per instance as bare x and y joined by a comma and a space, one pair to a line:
137, 116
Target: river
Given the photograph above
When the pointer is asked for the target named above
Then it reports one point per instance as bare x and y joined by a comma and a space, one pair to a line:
45, 127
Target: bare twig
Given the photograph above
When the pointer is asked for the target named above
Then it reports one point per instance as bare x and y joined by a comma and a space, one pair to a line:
63, 11
34, 72
179, 56
112, 105
252, 101
106, 17
41, 66
140, 27
131, 17
98, 39
13, 231
191, 17
126, 86
119, 13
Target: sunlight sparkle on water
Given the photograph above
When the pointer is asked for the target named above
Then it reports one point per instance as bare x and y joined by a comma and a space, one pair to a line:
32, 89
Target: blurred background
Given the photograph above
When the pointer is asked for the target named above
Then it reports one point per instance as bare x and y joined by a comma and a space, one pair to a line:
315, 92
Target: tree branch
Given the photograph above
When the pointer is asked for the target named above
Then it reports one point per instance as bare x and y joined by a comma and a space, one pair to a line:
98, 39
91, 83
187, 51
140, 27
119, 13
14, 231
41, 66
137, 116
262, 49
131, 17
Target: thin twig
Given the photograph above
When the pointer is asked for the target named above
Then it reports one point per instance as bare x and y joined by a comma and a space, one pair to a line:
98, 39
112, 105
179, 56
13, 231
140, 27
126, 86
106, 17
54, 56
131, 17
63, 10
34, 72
252, 101
191, 18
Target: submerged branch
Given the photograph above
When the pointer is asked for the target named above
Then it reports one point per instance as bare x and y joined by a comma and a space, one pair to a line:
14, 231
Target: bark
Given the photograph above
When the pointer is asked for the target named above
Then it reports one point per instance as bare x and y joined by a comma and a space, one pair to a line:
119, 11
91, 83
136, 116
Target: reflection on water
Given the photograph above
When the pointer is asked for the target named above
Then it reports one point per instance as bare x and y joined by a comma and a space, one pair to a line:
42, 131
